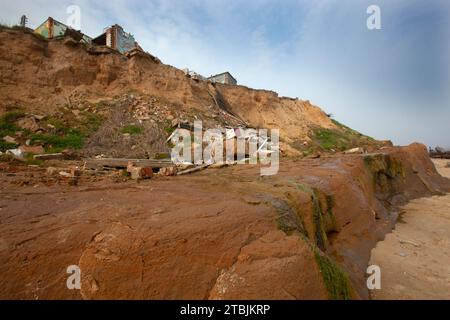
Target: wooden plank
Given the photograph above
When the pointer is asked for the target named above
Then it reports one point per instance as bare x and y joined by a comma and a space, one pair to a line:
192, 170
52, 156
123, 163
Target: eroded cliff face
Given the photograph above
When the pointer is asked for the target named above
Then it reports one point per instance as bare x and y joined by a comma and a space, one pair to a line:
40, 76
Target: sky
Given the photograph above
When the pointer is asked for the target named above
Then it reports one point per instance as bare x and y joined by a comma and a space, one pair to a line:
392, 83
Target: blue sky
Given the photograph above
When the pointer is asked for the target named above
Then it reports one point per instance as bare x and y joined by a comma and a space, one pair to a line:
391, 83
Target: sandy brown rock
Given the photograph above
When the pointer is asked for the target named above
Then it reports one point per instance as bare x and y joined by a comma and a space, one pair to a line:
218, 234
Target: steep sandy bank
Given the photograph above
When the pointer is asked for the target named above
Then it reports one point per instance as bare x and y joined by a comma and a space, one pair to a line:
48, 77
415, 258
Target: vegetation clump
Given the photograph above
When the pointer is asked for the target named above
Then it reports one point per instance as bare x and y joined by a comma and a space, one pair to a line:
132, 129
339, 139
56, 133
335, 279
385, 171
318, 216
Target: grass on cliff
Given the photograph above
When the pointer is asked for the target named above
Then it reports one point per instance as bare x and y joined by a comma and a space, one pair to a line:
4, 26
64, 131
67, 131
335, 279
290, 219
340, 139
57, 143
329, 140
318, 216
132, 129
8, 128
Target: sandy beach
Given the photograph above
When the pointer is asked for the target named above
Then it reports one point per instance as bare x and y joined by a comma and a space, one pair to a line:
415, 258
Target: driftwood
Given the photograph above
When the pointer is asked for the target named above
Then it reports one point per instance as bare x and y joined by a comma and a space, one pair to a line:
123, 163
403, 241
51, 156
192, 170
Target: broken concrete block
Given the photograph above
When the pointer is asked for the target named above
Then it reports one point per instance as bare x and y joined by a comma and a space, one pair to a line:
65, 174
135, 173
230, 134
15, 152
28, 123
358, 150
70, 177
75, 171
168, 171
146, 173
9, 139
138, 173
130, 166
32, 149
51, 171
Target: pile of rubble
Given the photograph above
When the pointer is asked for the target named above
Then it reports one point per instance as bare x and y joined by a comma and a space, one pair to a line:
144, 108
149, 109
140, 173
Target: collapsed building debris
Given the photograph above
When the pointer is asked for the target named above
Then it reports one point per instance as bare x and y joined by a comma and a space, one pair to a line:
194, 75
357, 150
113, 37
223, 78
116, 38
138, 173
53, 29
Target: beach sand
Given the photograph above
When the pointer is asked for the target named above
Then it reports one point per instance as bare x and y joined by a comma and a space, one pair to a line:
415, 258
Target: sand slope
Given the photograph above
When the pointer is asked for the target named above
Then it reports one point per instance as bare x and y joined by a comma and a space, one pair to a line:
415, 258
